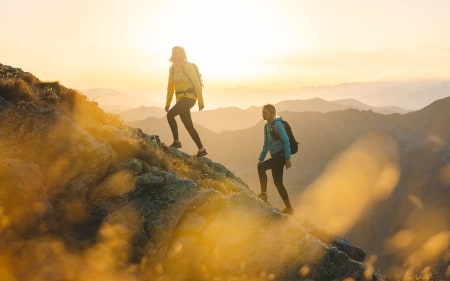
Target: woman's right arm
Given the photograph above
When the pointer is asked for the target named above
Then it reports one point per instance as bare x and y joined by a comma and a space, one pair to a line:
170, 88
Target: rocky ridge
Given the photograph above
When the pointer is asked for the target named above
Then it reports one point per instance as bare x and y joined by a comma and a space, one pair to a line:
85, 196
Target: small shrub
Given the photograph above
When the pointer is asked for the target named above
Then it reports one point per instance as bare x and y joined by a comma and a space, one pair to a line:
16, 90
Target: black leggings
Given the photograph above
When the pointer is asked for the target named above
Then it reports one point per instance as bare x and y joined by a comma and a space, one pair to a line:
276, 164
183, 108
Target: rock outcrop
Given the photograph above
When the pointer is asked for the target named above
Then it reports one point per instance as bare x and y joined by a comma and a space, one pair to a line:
85, 197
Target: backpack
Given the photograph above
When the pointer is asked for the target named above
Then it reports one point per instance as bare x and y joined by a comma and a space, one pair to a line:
292, 141
199, 75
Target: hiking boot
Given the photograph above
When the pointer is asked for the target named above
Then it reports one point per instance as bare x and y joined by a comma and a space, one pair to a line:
288, 211
263, 196
176, 144
201, 152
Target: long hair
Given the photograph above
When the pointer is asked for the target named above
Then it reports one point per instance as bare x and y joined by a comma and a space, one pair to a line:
182, 51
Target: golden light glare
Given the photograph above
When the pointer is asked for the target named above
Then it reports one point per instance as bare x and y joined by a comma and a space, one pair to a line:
5, 220
304, 271
431, 250
401, 240
424, 242
416, 201
115, 185
6, 269
445, 175
239, 45
362, 175
111, 251
370, 267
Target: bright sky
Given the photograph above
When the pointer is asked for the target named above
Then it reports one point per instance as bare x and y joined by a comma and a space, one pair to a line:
272, 44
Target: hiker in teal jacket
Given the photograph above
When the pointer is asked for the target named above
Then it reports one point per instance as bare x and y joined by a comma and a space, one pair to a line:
273, 145
280, 152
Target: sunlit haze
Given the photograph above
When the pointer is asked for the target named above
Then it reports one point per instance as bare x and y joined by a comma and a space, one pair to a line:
271, 45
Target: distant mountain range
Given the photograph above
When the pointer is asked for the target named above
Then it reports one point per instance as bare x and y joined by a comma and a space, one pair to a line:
233, 118
408, 94
111, 100
400, 161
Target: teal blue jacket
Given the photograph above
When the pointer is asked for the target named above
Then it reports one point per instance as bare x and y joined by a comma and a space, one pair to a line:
275, 145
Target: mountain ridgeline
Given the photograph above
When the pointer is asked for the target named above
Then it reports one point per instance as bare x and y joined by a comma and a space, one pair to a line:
85, 196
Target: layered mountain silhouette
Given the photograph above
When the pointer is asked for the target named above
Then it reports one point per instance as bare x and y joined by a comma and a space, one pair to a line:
234, 118
410, 94
382, 180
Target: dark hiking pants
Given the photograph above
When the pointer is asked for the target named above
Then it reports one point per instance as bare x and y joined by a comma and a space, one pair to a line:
183, 108
276, 164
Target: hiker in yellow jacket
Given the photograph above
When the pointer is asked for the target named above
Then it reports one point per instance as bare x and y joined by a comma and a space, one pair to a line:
185, 82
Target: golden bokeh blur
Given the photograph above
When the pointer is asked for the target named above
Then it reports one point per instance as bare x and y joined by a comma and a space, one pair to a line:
359, 177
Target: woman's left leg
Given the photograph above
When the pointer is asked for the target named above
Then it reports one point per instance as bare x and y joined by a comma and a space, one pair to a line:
177, 109
186, 118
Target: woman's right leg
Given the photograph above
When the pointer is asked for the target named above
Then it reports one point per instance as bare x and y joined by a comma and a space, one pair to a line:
178, 108
187, 121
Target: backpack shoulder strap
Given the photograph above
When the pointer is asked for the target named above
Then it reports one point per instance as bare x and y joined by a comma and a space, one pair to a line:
273, 133
199, 76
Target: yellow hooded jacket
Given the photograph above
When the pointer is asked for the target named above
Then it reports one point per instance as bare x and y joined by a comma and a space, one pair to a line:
182, 81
